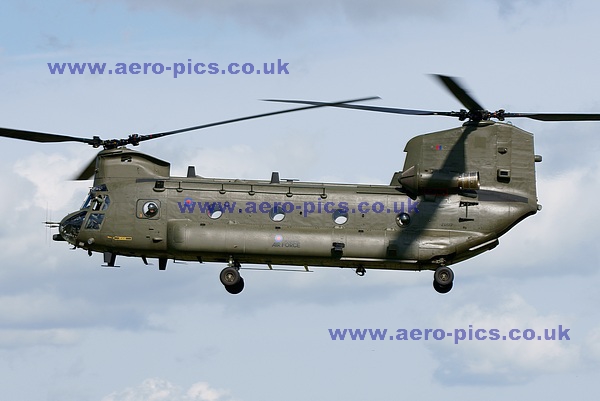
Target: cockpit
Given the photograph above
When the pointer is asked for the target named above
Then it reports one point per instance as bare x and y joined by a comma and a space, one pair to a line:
90, 215
96, 199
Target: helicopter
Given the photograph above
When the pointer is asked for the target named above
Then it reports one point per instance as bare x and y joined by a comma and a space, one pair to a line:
459, 191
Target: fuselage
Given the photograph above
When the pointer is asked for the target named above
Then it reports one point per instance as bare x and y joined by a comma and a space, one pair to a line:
459, 191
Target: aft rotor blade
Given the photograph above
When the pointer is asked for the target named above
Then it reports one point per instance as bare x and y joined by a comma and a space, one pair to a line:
555, 116
459, 92
34, 136
368, 108
273, 113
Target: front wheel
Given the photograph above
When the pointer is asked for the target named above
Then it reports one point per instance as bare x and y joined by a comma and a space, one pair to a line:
230, 276
443, 276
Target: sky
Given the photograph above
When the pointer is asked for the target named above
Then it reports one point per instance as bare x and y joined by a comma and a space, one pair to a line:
72, 330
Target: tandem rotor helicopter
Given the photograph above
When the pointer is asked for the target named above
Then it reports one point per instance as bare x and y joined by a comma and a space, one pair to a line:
458, 192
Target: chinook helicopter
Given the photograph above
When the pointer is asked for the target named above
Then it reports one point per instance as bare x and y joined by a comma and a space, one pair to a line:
459, 191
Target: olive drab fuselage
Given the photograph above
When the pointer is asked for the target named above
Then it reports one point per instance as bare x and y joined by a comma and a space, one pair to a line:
459, 191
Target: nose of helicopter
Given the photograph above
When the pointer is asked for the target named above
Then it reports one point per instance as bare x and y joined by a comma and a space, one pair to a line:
70, 226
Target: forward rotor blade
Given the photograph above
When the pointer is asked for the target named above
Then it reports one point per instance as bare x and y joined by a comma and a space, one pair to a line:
367, 108
459, 92
34, 136
555, 116
234, 120
88, 172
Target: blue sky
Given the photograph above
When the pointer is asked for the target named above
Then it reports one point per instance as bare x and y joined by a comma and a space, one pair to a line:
71, 330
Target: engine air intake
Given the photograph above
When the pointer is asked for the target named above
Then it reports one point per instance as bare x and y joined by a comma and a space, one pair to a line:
418, 182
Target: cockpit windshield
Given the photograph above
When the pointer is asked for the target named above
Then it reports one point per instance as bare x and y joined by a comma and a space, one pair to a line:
69, 227
86, 202
96, 199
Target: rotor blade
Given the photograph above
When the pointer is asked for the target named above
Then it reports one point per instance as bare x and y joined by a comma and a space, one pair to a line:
34, 136
459, 92
88, 172
273, 113
368, 108
556, 116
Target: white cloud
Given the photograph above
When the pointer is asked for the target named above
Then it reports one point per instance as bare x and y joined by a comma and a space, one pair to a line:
38, 337
503, 362
161, 390
592, 346
281, 14
51, 174
563, 231
244, 160
203, 392
38, 308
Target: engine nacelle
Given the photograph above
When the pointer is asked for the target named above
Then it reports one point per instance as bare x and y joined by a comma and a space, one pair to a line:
419, 182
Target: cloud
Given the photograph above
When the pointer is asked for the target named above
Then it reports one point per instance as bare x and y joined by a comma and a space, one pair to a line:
50, 172
502, 362
281, 15
511, 7
38, 309
161, 390
53, 43
563, 231
44, 337
245, 161
592, 346
203, 392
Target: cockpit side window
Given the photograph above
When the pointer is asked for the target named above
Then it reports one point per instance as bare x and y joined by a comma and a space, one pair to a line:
100, 202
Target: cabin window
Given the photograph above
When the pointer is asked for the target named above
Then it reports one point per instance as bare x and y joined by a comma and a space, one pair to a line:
340, 216
148, 209
214, 211
277, 214
403, 219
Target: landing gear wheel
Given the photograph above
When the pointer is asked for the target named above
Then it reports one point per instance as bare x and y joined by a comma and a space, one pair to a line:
230, 276
443, 279
237, 288
360, 271
231, 279
443, 275
442, 289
